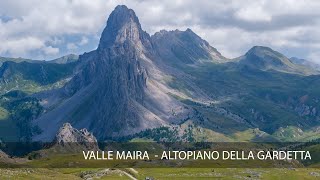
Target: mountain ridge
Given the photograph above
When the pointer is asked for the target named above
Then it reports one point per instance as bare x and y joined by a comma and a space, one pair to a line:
133, 82
126, 84
172, 45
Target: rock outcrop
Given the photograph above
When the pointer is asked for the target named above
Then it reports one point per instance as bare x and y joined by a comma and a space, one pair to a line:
69, 134
71, 137
3, 155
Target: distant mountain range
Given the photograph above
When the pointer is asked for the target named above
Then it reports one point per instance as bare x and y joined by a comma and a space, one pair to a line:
171, 86
304, 62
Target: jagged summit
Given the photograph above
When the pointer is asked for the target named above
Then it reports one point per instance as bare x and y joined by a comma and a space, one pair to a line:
123, 26
184, 46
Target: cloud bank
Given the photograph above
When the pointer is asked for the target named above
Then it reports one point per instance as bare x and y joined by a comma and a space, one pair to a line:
48, 29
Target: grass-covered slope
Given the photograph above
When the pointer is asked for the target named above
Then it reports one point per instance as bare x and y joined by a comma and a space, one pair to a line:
160, 173
17, 60
18, 110
33, 77
245, 97
20, 78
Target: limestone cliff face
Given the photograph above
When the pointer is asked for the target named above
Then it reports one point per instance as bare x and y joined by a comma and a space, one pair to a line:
118, 77
118, 81
121, 45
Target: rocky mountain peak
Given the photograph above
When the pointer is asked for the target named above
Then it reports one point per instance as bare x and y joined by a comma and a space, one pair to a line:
122, 26
112, 78
185, 46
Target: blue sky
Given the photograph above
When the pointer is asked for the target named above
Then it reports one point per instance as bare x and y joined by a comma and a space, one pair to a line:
48, 29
